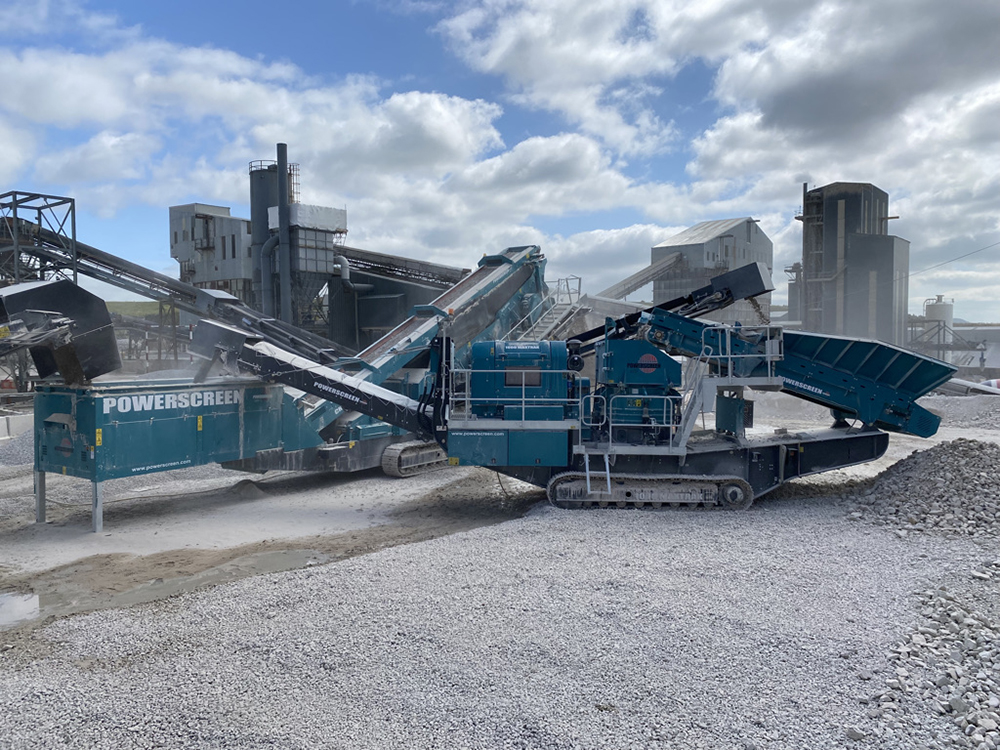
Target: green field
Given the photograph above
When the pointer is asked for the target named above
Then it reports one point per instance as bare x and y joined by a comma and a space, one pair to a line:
135, 309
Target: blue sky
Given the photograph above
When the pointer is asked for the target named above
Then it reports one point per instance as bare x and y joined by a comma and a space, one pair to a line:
450, 129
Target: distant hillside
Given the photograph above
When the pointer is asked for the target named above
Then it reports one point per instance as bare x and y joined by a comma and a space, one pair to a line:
150, 309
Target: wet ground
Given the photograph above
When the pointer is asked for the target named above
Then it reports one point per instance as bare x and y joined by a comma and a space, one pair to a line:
389, 512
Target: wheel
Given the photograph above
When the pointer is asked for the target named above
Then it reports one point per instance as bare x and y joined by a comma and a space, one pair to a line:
735, 495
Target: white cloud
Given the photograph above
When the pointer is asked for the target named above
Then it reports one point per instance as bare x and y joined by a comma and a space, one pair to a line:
27, 18
17, 149
846, 70
902, 94
547, 176
604, 257
106, 156
586, 61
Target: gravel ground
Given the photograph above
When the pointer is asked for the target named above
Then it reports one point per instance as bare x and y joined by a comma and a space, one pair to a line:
981, 412
812, 621
951, 489
19, 450
563, 629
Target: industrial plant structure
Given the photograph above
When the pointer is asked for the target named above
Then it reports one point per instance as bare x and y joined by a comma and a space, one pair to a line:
290, 261
706, 250
853, 277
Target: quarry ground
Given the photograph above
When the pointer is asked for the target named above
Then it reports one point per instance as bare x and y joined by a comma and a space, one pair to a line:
180, 530
775, 628
177, 531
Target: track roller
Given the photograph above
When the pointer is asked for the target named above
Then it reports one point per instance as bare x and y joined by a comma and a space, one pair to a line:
413, 457
569, 490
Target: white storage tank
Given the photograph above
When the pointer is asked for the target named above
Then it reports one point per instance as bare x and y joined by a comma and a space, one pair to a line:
940, 317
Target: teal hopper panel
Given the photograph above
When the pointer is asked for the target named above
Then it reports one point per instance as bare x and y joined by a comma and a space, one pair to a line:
111, 430
877, 382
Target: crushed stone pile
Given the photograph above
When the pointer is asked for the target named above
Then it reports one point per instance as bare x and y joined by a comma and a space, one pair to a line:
948, 667
973, 412
951, 489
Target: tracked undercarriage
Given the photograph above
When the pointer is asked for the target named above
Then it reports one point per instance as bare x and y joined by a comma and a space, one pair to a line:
572, 490
413, 457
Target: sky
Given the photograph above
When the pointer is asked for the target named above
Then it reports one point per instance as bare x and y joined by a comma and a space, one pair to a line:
452, 129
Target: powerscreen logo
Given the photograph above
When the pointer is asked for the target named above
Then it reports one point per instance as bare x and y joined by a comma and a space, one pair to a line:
647, 363
162, 401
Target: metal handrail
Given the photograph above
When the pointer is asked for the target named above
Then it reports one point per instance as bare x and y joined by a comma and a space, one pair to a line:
597, 405
564, 294
461, 401
564, 289
771, 336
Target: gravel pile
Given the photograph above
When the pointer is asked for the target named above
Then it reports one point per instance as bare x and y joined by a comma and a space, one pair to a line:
559, 630
975, 412
952, 488
946, 667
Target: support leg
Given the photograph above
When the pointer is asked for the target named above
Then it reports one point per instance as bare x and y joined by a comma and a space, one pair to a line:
39, 497
97, 511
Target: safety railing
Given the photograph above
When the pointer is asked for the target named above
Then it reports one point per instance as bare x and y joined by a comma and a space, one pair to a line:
567, 290
566, 294
523, 385
722, 346
632, 419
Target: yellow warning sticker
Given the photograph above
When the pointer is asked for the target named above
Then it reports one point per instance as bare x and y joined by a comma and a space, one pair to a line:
452, 461
199, 423
98, 439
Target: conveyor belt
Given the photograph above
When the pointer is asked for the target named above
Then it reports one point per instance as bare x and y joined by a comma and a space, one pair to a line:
97, 264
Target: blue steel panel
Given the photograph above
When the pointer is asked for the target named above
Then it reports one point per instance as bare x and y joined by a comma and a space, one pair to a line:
478, 447
630, 362
550, 413
883, 364
538, 448
123, 429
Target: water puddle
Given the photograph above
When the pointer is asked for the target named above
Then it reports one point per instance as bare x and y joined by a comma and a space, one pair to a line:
71, 597
16, 609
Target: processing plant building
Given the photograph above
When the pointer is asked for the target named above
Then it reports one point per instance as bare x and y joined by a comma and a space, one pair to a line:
289, 260
853, 277
690, 259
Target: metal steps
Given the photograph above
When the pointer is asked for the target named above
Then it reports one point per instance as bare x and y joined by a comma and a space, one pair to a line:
559, 306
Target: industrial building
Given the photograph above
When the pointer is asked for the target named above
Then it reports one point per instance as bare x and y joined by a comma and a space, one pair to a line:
690, 259
853, 276
212, 248
290, 261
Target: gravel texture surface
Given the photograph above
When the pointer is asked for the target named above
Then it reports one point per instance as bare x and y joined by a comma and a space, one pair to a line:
18, 450
952, 489
855, 617
981, 412
947, 665
698, 629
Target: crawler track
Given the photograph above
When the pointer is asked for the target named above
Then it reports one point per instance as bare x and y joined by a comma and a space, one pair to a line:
569, 490
412, 457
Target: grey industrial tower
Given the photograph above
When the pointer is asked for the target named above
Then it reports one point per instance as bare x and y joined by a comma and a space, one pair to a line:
853, 277
289, 261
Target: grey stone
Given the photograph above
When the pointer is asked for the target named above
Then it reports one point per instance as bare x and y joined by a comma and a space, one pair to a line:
854, 733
